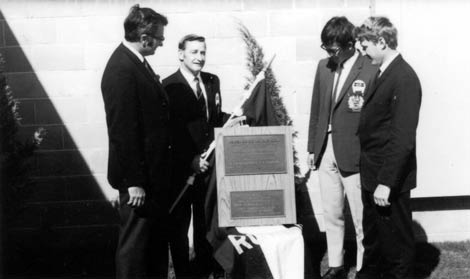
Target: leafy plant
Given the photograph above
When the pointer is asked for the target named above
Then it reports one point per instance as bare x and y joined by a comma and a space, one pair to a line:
255, 63
16, 157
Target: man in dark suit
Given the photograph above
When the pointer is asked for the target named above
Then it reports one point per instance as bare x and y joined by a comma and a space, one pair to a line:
195, 111
340, 84
387, 133
137, 116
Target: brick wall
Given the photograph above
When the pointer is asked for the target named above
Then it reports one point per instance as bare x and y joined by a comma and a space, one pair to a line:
56, 52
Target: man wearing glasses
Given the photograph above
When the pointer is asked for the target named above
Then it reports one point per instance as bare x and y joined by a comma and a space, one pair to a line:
137, 117
341, 83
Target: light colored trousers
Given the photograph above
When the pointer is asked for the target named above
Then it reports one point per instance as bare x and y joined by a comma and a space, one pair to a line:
334, 187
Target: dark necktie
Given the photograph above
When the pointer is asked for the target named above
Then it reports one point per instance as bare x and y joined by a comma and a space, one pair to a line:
200, 97
152, 73
377, 76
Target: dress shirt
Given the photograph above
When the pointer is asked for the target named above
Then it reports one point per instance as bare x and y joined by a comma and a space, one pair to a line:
190, 79
387, 62
133, 50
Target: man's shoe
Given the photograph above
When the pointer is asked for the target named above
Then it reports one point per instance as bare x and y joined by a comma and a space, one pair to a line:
335, 273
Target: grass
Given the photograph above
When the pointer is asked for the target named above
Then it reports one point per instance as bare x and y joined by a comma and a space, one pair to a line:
444, 260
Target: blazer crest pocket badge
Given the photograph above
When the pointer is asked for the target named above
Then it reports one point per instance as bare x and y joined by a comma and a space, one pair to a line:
356, 97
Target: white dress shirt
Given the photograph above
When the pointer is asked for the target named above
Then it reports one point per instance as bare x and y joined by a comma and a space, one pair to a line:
133, 50
387, 62
190, 78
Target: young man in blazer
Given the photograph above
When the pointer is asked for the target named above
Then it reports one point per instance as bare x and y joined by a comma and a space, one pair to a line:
195, 111
387, 133
341, 82
137, 117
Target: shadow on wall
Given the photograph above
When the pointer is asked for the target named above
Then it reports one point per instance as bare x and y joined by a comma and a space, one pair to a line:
314, 239
427, 255
64, 225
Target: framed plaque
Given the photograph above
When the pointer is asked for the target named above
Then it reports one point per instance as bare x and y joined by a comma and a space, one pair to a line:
255, 176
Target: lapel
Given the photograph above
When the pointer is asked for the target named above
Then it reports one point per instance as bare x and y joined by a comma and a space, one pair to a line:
155, 79
189, 91
329, 80
355, 70
208, 81
379, 80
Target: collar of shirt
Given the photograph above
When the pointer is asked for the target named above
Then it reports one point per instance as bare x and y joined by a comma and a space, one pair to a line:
133, 50
387, 62
190, 79
347, 66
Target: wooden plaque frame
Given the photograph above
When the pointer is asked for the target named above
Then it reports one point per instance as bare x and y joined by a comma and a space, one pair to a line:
255, 176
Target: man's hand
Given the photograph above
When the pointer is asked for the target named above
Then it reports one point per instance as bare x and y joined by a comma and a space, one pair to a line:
381, 195
311, 161
114, 199
199, 165
136, 196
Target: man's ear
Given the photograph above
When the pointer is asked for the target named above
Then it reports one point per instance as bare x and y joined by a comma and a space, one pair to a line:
145, 40
383, 44
180, 54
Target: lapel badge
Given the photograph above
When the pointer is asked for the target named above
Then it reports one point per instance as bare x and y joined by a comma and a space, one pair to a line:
356, 98
217, 99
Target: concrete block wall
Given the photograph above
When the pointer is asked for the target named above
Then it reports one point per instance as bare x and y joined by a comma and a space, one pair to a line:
56, 51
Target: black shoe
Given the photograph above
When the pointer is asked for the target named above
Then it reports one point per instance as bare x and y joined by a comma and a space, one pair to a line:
335, 273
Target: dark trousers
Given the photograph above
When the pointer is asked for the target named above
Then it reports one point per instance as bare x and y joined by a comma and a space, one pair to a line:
388, 238
178, 237
204, 263
142, 250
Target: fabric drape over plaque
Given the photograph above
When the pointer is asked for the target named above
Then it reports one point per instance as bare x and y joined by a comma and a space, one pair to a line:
259, 110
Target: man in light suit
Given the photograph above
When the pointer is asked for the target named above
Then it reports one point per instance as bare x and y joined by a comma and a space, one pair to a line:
137, 116
195, 111
340, 84
387, 133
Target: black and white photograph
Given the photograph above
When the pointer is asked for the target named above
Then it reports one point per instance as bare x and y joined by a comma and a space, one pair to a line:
234, 139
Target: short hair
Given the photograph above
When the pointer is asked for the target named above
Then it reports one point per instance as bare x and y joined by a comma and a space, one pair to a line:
190, 38
141, 21
378, 27
338, 30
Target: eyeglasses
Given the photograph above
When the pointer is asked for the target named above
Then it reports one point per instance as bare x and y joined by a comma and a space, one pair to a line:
331, 50
158, 38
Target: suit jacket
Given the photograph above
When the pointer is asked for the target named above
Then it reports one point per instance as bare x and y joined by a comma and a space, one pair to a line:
192, 131
137, 115
345, 117
387, 129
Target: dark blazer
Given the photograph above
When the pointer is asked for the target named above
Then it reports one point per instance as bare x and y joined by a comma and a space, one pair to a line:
191, 131
344, 121
387, 129
137, 114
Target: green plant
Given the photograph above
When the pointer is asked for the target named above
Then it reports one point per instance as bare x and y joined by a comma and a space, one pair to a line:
16, 156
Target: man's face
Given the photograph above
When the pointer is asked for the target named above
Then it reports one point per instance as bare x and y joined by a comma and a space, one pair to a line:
373, 50
151, 42
193, 57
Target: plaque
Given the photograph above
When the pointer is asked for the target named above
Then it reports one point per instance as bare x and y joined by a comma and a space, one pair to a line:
249, 204
256, 154
255, 176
